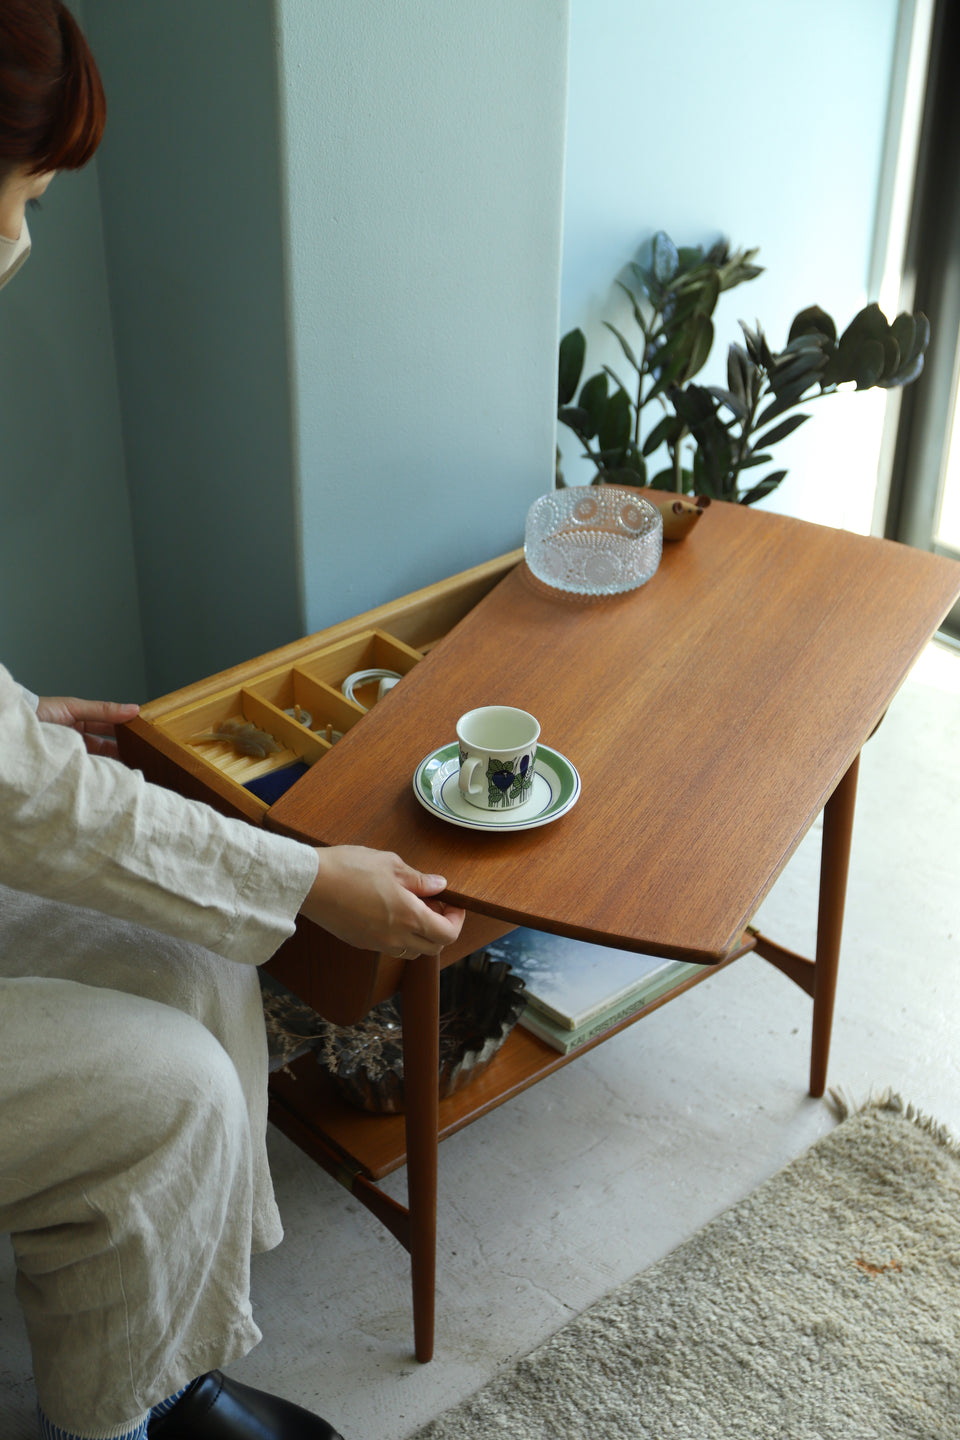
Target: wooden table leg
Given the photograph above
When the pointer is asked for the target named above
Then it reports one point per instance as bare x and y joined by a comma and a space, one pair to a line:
834, 864
421, 1067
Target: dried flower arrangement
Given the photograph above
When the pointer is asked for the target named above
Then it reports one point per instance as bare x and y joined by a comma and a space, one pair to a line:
480, 1002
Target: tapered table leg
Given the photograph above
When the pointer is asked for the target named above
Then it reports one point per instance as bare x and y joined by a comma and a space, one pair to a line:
421, 1067
834, 864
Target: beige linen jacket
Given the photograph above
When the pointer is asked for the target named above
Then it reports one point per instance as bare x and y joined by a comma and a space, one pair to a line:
87, 830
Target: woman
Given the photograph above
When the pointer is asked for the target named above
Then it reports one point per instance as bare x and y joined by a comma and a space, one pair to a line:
133, 1173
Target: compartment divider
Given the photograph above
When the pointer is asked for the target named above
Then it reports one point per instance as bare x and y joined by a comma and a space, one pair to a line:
299, 742
311, 681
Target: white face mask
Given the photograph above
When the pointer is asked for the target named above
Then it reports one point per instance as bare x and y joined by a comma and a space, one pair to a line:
12, 254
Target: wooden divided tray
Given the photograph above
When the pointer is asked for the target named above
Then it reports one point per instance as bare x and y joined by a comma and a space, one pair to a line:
297, 712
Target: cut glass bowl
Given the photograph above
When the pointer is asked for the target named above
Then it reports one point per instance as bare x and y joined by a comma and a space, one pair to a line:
593, 539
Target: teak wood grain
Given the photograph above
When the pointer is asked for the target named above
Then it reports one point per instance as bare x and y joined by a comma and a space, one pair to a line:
711, 714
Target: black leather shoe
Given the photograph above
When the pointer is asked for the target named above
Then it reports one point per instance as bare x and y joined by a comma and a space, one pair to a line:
215, 1408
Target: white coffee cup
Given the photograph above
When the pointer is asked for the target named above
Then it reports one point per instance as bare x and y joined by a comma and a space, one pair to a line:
498, 751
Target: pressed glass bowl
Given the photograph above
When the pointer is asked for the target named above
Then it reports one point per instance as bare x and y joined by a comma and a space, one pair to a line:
593, 539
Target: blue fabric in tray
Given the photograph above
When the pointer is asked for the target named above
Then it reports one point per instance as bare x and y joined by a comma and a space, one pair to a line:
270, 787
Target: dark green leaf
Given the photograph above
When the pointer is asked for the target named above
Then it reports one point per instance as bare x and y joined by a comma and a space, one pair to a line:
576, 418
666, 260
667, 377
811, 342
637, 312
904, 376
667, 480
689, 344
752, 342
803, 370
771, 411
704, 483
700, 328
841, 366
573, 350
911, 359
869, 364
816, 320
678, 344
738, 274
614, 430
734, 269
757, 347
792, 394
693, 404
631, 472
851, 362
593, 399
645, 279
668, 431
696, 406
753, 459
904, 331
699, 298
781, 431
738, 366
732, 402
624, 345
689, 256
870, 323
764, 488
891, 355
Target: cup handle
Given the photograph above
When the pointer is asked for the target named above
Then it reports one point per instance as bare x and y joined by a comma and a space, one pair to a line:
467, 771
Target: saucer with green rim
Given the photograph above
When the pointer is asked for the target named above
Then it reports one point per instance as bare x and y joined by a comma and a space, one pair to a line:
555, 790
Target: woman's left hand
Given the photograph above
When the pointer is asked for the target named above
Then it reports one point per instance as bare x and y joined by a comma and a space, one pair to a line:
95, 720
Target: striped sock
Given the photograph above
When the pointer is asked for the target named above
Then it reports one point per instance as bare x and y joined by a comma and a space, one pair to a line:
163, 1406
49, 1431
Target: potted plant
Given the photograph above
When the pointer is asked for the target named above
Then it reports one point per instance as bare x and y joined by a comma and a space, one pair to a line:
730, 429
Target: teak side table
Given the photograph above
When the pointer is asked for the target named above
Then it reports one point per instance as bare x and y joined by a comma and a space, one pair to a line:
712, 714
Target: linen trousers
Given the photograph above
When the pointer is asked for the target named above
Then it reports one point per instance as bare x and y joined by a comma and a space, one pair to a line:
133, 1171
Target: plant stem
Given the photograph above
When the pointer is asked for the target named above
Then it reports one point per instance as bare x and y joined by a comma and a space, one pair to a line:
746, 429
648, 335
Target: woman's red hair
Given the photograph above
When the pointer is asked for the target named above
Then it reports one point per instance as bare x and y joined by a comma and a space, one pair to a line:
52, 106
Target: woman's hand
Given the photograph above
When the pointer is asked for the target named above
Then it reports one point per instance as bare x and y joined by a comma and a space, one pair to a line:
372, 900
94, 719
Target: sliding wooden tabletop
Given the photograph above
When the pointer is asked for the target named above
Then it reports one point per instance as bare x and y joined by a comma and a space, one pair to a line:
710, 715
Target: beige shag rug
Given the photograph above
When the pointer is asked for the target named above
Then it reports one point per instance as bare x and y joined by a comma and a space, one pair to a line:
825, 1306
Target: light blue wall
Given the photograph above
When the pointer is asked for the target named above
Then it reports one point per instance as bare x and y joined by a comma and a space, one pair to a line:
761, 121
190, 179
69, 619
424, 145
335, 324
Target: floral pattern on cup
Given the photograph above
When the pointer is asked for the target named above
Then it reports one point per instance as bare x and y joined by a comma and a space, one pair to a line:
507, 785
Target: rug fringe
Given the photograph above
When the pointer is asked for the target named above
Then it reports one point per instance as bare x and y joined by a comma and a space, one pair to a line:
889, 1100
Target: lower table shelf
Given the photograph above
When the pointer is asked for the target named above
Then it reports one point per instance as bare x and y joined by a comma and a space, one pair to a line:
306, 1106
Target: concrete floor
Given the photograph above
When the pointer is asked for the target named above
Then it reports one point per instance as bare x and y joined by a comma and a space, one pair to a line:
588, 1178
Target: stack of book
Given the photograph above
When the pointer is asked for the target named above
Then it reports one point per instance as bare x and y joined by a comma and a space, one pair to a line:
575, 990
